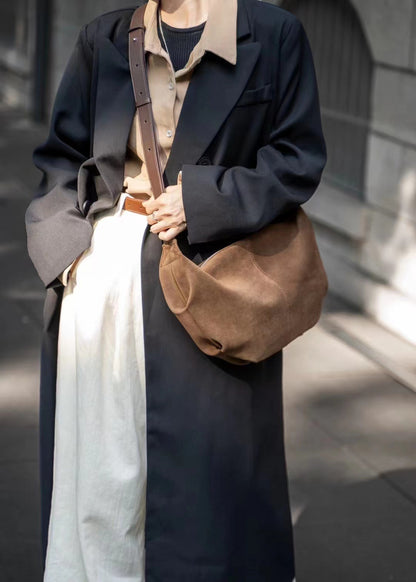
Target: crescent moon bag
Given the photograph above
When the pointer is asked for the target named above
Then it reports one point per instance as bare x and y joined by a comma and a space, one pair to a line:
251, 298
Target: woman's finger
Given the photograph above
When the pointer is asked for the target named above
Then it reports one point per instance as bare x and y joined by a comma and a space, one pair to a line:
153, 204
161, 225
165, 224
151, 220
171, 233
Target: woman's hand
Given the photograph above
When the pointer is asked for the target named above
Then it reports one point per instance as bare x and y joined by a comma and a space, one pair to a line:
169, 214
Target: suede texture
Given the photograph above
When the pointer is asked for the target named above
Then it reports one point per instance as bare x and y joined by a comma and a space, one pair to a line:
251, 298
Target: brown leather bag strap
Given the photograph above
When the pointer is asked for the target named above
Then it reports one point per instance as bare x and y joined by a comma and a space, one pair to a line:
137, 60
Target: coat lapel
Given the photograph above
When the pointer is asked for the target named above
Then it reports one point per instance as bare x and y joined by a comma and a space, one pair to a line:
114, 114
205, 109
202, 114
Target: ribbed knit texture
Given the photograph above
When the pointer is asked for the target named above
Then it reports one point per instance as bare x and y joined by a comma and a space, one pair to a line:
180, 42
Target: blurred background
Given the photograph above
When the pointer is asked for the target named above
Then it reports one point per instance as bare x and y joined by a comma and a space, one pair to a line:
350, 382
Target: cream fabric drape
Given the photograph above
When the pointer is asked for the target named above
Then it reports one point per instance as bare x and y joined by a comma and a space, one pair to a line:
96, 530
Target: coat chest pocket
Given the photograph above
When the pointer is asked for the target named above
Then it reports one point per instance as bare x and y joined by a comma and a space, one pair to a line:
254, 96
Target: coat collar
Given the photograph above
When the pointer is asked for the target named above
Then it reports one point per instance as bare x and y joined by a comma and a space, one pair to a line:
202, 113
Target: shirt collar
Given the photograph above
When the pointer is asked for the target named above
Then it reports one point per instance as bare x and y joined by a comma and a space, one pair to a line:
219, 35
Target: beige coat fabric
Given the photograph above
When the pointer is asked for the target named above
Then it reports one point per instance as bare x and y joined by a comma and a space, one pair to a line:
168, 88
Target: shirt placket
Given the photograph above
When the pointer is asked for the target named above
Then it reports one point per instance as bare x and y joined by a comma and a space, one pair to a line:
162, 81
165, 97
166, 80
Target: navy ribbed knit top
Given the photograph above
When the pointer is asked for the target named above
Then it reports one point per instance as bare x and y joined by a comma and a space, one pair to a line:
180, 42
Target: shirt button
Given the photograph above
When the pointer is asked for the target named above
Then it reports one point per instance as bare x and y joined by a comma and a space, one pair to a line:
169, 133
170, 85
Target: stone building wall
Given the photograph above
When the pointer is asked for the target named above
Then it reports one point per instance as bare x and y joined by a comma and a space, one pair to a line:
369, 245
17, 41
68, 19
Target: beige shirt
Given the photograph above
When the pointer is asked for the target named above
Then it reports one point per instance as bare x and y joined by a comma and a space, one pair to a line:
168, 87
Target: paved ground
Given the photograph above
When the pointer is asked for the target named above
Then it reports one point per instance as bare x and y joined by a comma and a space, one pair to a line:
350, 397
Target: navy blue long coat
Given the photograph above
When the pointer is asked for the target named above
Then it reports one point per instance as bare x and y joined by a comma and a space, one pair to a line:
250, 145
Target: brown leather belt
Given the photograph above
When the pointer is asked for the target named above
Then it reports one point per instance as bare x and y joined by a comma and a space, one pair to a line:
134, 205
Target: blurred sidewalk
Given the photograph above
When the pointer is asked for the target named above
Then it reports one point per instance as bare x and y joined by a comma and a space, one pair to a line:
350, 418
351, 450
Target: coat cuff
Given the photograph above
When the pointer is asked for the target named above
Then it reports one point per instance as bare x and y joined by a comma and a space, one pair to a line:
203, 211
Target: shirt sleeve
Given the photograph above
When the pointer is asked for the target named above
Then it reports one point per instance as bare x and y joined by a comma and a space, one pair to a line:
223, 202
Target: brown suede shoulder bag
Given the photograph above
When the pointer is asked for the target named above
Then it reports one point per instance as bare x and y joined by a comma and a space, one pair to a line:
251, 298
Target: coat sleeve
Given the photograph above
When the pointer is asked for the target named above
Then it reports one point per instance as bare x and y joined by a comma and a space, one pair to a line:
57, 230
222, 202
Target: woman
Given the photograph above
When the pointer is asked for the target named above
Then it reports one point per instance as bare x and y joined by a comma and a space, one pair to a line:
163, 463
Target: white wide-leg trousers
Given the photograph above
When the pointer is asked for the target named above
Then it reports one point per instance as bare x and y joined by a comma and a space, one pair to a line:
96, 529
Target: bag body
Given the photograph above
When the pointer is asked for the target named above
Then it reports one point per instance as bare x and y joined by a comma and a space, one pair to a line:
251, 298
